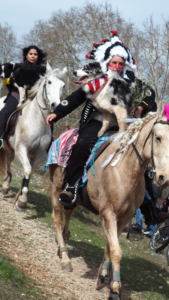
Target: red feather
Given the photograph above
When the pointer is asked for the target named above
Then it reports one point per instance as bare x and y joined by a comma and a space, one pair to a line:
87, 56
104, 40
114, 32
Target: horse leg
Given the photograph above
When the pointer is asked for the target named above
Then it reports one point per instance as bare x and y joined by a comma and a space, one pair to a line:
66, 232
109, 223
55, 189
8, 175
104, 272
21, 198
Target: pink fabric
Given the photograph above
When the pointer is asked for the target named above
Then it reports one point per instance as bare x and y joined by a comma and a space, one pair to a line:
60, 149
166, 109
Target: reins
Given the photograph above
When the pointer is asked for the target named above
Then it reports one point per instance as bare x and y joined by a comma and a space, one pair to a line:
46, 98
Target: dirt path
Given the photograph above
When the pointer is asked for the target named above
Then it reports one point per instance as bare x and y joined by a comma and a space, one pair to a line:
31, 245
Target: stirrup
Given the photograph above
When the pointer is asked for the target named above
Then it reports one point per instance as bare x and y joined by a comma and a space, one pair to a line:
1, 143
73, 190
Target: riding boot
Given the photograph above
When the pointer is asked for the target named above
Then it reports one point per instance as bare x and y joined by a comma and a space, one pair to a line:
69, 195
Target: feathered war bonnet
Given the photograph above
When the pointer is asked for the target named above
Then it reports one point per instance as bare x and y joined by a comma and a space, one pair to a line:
107, 49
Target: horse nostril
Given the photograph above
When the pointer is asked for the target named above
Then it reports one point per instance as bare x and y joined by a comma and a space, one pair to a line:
53, 105
162, 179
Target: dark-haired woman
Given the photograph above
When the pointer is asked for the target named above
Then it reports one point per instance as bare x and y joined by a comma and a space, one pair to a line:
26, 73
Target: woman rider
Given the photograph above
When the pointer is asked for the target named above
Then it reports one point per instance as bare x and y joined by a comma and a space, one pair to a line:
118, 59
27, 73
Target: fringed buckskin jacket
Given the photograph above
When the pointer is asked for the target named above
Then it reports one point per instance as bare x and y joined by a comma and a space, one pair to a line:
79, 97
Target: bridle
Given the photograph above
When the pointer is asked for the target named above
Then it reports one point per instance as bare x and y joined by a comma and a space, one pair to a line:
45, 97
151, 170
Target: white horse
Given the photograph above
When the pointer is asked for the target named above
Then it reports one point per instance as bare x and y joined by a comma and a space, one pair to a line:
32, 135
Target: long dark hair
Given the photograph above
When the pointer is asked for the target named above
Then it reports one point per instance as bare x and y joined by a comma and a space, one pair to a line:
41, 55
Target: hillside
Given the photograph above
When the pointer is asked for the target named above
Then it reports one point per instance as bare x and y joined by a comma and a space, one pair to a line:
30, 268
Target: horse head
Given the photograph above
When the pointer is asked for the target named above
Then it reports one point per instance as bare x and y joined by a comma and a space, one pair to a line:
54, 83
48, 89
159, 149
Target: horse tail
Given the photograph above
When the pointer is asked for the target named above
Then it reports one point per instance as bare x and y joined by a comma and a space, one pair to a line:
3, 161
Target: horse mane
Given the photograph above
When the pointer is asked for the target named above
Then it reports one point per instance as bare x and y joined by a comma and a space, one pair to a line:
132, 129
33, 91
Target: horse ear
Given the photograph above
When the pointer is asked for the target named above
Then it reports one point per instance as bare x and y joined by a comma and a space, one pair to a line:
48, 68
64, 71
160, 109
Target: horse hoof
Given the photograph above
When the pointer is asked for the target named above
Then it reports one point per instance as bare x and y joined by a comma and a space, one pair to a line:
103, 282
4, 191
105, 290
67, 266
114, 296
66, 236
20, 209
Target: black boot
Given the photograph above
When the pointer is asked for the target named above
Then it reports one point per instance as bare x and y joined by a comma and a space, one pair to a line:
165, 230
69, 195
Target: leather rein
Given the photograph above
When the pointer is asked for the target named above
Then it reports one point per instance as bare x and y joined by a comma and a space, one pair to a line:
151, 170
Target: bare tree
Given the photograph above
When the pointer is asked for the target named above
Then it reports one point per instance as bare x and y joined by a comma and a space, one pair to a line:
68, 36
154, 56
8, 43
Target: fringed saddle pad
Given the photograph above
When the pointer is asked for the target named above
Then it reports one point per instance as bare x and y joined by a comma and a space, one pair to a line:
90, 162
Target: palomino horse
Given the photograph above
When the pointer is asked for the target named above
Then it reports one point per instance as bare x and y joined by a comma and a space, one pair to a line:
32, 136
118, 188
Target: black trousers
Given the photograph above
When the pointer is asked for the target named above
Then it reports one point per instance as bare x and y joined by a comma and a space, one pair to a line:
7, 110
81, 151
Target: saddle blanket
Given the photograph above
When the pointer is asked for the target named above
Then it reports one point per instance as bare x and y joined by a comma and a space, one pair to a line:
60, 151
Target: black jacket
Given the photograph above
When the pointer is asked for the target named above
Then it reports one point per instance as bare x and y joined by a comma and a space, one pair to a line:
24, 74
78, 97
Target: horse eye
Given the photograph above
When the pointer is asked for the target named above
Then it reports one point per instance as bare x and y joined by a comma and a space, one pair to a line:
158, 139
49, 82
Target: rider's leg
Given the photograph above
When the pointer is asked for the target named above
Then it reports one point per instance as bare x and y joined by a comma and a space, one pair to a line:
75, 166
7, 110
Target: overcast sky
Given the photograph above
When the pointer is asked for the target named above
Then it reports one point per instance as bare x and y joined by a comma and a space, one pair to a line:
21, 14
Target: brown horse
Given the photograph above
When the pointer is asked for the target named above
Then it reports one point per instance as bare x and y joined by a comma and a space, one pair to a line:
117, 191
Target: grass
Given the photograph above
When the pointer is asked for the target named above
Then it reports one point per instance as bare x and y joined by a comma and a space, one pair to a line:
144, 274
14, 284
